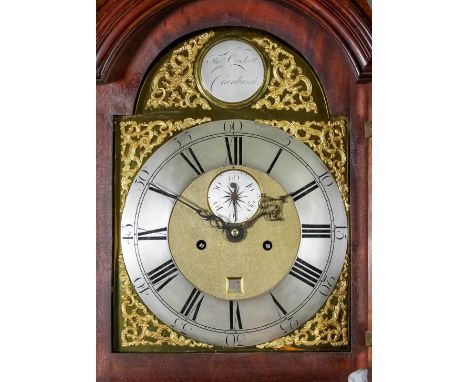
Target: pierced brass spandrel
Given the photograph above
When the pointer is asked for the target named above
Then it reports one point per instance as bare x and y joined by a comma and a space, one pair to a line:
139, 326
174, 84
289, 88
138, 141
328, 140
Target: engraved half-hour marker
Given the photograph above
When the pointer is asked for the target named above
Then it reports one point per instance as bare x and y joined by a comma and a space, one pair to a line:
153, 234
278, 305
234, 151
192, 304
234, 315
162, 275
234, 285
274, 161
316, 231
197, 167
305, 272
303, 191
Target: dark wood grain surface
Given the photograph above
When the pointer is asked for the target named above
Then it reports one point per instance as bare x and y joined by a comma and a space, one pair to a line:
334, 36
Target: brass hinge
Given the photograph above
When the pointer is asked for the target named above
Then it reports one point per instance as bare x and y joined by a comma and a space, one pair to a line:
368, 338
368, 129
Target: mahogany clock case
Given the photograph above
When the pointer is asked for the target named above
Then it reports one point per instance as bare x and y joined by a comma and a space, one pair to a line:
335, 37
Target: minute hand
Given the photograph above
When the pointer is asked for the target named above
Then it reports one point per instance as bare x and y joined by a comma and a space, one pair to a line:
218, 222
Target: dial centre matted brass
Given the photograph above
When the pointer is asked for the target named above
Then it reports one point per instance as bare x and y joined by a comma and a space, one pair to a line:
222, 263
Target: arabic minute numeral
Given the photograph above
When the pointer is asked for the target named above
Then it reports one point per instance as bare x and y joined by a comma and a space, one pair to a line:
288, 325
274, 160
339, 235
327, 286
233, 126
326, 179
141, 179
183, 139
279, 308
153, 234
182, 326
303, 191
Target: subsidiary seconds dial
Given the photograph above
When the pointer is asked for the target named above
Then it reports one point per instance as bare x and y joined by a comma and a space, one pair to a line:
234, 195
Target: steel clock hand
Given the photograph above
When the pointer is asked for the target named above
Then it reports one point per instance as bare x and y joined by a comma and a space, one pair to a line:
269, 207
234, 197
215, 221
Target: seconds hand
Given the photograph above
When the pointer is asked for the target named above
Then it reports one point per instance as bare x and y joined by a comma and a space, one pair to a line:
234, 199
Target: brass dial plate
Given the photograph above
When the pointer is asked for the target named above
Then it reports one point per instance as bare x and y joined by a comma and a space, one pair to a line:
171, 296
209, 269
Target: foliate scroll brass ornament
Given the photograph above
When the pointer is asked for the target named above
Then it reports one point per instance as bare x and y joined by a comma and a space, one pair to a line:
271, 208
328, 140
140, 327
289, 88
328, 327
139, 139
174, 85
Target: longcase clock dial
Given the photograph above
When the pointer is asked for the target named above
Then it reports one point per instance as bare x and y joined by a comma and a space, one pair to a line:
234, 233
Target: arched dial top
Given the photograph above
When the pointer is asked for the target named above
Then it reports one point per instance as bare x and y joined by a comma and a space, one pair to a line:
233, 68
149, 234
